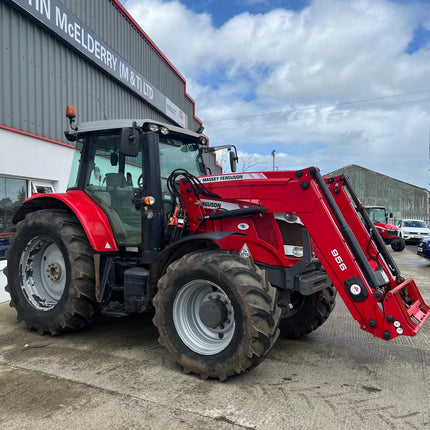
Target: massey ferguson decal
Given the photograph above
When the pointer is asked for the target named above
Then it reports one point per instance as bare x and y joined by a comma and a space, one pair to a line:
216, 204
233, 177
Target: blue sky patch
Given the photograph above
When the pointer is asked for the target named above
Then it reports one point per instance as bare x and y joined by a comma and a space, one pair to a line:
420, 40
221, 10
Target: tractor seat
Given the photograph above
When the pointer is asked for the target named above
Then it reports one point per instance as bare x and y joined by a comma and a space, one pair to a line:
114, 180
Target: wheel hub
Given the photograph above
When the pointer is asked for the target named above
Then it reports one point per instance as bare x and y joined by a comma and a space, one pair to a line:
203, 316
42, 273
54, 271
213, 313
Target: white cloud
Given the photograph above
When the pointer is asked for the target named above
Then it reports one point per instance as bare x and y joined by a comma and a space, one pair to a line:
274, 68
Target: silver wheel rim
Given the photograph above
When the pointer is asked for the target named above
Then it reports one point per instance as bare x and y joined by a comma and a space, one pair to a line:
42, 273
198, 336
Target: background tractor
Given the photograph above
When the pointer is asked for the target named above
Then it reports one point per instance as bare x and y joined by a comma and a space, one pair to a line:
389, 232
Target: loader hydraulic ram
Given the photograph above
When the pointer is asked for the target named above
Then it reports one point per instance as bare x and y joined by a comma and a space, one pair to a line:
343, 238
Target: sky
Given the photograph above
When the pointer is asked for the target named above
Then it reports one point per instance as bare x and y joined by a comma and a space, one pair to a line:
324, 83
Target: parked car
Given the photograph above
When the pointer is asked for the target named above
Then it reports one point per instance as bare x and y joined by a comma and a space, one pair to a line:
424, 248
5, 235
413, 230
4, 245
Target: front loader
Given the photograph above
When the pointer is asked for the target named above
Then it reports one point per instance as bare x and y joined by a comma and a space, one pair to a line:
226, 262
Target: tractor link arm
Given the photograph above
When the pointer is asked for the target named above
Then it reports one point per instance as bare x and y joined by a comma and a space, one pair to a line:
375, 279
371, 229
306, 276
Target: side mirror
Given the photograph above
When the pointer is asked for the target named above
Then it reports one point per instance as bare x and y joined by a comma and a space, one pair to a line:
391, 215
233, 160
130, 142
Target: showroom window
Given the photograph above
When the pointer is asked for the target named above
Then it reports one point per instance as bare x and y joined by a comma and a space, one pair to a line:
12, 193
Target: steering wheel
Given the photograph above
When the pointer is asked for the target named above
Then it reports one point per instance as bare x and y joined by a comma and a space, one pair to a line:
140, 181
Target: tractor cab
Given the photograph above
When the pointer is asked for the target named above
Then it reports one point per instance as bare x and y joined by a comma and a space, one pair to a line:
117, 181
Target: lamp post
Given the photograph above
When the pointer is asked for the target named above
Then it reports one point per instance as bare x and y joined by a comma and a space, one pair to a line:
273, 155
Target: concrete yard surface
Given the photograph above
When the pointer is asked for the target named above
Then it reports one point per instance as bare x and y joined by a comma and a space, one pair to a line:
115, 375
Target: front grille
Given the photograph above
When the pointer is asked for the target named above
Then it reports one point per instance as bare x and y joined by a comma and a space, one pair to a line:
418, 233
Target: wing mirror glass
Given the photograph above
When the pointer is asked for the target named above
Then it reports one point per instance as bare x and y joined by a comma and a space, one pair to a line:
233, 160
130, 142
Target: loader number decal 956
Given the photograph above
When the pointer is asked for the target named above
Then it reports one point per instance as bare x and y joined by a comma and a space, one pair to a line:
338, 259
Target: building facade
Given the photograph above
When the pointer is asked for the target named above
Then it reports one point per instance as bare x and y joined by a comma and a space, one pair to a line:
89, 54
403, 200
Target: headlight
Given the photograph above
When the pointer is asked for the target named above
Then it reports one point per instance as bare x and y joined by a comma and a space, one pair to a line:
154, 128
164, 130
290, 217
296, 251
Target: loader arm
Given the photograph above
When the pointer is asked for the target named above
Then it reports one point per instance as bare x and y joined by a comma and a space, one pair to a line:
349, 248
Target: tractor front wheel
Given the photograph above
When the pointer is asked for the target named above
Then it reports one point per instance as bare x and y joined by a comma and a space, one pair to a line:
50, 272
307, 313
216, 313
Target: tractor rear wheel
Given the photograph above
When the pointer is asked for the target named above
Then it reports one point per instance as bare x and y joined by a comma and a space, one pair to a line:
50, 273
307, 313
216, 313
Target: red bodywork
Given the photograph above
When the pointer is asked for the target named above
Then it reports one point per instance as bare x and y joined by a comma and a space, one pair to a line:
396, 310
92, 218
387, 231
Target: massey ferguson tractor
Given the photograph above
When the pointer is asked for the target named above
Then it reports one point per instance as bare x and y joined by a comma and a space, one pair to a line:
389, 232
226, 262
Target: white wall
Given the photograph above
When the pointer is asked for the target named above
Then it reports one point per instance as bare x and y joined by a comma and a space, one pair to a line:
27, 157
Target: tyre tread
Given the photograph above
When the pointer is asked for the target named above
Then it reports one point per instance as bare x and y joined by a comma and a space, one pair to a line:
262, 318
81, 305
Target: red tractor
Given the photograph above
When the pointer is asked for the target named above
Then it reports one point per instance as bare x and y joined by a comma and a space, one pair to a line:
227, 262
389, 233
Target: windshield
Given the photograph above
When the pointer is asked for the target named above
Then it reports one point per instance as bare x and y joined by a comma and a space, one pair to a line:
175, 154
377, 215
110, 179
415, 223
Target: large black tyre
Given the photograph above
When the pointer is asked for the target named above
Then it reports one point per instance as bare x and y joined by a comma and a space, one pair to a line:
307, 313
50, 272
216, 313
398, 245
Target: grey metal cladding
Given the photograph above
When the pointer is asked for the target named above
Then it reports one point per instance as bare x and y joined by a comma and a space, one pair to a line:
41, 74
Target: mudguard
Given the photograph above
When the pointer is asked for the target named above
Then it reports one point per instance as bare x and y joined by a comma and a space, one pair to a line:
93, 220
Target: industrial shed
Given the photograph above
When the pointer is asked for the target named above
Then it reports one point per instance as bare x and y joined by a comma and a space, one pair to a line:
89, 54
402, 199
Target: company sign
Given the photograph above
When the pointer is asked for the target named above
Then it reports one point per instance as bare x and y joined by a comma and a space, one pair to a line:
62, 22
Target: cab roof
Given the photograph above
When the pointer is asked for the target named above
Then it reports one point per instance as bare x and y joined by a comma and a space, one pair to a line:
112, 124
